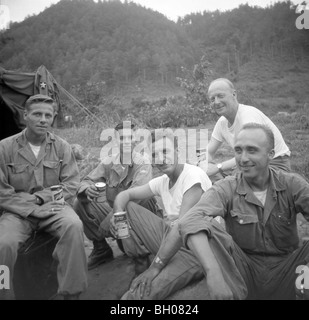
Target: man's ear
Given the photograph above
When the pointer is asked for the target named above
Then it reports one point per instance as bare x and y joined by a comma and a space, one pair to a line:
271, 154
25, 114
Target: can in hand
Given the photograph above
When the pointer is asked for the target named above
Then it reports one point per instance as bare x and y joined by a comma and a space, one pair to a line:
57, 193
100, 187
122, 225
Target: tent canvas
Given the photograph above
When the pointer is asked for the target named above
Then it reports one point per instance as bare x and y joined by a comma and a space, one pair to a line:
15, 88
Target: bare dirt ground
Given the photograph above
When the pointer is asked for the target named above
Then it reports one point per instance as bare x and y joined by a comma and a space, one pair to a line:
111, 280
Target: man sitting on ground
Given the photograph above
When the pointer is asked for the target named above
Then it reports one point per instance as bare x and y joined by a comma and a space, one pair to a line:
257, 256
125, 169
180, 187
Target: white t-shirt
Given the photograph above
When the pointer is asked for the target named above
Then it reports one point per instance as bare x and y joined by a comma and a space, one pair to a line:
35, 149
261, 195
172, 198
246, 114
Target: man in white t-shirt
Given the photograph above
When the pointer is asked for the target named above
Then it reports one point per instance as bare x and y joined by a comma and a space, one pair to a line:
233, 116
180, 188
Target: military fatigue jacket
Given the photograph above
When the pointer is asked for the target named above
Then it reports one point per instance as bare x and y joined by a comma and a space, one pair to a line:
117, 176
269, 230
22, 174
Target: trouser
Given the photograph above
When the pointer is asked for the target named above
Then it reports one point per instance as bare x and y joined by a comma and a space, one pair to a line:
69, 250
96, 216
265, 277
146, 234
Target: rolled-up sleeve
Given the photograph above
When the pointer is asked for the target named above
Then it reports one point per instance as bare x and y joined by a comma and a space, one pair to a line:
199, 218
96, 175
142, 175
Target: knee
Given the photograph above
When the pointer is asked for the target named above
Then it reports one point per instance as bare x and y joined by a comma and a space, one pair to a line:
73, 225
132, 208
8, 245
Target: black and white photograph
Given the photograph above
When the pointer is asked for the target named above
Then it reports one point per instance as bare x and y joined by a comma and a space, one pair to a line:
154, 150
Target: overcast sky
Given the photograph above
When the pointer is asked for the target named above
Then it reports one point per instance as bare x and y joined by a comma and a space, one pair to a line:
19, 9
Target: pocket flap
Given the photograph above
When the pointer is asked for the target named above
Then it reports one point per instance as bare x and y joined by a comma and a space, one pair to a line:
18, 168
243, 218
51, 164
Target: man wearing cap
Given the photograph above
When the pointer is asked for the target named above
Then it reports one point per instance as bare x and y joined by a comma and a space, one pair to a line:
30, 163
125, 169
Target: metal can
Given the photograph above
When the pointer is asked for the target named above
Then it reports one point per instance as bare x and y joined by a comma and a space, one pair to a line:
100, 187
57, 193
122, 226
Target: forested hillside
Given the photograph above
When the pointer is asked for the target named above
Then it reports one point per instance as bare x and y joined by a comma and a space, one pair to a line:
81, 41
120, 57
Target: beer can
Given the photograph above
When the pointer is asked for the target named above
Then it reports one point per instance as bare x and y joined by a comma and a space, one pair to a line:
57, 193
100, 187
122, 226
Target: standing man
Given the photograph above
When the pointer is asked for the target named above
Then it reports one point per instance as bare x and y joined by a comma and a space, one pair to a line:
260, 244
233, 116
30, 163
125, 169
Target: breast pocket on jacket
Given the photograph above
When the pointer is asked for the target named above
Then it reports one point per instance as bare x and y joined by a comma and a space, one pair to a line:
285, 230
19, 176
243, 228
51, 172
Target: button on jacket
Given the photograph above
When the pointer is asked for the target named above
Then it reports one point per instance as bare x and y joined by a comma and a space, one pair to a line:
269, 230
21, 173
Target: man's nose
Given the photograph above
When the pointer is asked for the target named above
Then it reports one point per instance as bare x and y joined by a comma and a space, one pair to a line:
43, 118
217, 100
244, 157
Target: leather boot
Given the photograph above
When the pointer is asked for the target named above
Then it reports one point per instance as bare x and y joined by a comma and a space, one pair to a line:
101, 253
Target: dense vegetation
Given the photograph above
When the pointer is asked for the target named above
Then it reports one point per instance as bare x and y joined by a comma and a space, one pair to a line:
99, 50
82, 41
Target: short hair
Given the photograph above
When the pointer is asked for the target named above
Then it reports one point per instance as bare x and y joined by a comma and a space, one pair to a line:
227, 81
37, 98
167, 133
122, 125
269, 134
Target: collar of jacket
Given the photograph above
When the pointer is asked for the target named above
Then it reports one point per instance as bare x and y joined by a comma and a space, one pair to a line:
118, 166
275, 184
22, 139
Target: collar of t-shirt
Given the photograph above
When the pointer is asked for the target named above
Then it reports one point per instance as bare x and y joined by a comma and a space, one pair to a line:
261, 196
35, 149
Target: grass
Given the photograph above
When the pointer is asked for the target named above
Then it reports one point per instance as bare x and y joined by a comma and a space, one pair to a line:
294, 128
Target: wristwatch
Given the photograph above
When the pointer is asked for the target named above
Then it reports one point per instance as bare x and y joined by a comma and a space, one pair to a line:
219, 166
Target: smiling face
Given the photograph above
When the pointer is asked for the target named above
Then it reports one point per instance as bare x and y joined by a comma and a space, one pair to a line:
222, 98
39, 117
164, 156
253, 153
